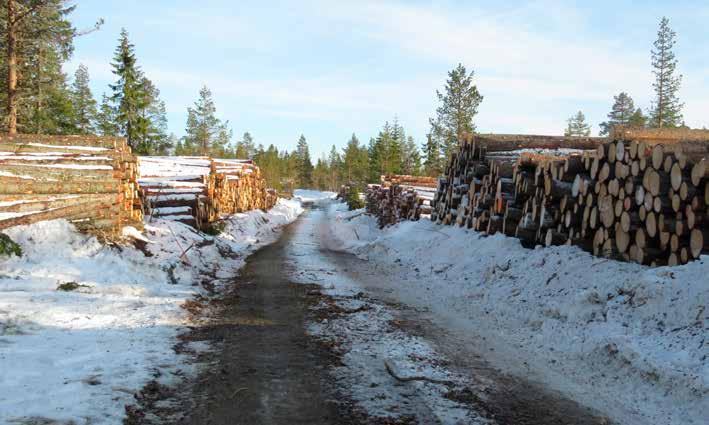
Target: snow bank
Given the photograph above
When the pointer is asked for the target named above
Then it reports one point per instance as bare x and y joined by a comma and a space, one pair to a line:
628, 340
81, 354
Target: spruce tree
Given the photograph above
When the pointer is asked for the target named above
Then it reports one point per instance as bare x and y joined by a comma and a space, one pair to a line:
205, 133
620, 115
304, 164
638, 119
577, 126
355, 163
85, 112
129, 95
432, 156
152, 137
666, 109
459, 105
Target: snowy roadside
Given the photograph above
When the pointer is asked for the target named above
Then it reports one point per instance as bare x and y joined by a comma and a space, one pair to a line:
627, 340
385, 370
81, 353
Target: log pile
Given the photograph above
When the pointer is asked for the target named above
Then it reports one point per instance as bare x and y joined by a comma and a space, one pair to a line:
236, 186
400, 197
90, 181
198, 190
638, 199
175, 188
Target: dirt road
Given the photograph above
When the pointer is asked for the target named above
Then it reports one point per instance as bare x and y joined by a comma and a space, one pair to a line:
307, 335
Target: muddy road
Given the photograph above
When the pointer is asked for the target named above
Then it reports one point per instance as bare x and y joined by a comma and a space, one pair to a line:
306, 335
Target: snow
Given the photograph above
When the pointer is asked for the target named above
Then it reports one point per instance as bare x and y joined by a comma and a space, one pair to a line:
50, 156
8, 174
172, 210
368, 340
74, 166
173, 166
627, 340
309, 196
80, 355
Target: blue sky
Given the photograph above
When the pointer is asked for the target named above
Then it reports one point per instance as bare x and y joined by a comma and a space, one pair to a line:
327, 69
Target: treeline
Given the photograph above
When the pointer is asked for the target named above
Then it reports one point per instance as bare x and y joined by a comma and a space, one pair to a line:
392, 151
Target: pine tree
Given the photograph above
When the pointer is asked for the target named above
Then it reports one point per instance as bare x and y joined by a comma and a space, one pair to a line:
459, 105
205, 133
37, 39
304, 164
621, 114
106, 119
666, 110
85, 112
129, 93
577, 126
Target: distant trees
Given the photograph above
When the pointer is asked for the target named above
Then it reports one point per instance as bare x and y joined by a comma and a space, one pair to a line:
304, 164
623, 113
666, 110
577, 126
432, 159
245, 148
355, 164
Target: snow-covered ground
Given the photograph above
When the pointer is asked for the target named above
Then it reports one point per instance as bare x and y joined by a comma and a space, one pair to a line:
628, 340
311, 196
366, 336
79, 355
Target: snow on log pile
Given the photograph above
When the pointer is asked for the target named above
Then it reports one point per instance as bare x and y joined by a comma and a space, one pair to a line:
175, 188
640, 197
198, 190
400, 197
236, 185
90, 181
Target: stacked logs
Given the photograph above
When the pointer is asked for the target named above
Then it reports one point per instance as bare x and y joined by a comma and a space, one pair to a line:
90, 181
400, 197
198, 190
175, 188
236, 186
636, 200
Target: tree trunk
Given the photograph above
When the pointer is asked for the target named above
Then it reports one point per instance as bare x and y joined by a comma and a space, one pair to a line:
11, 68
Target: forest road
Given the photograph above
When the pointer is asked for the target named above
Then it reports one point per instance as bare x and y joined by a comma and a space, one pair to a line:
267, 368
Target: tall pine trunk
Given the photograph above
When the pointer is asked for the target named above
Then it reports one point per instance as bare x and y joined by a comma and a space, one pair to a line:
11, 68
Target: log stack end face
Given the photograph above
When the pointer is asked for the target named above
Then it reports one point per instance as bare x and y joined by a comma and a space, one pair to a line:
200, 190
634, 199
88, 180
